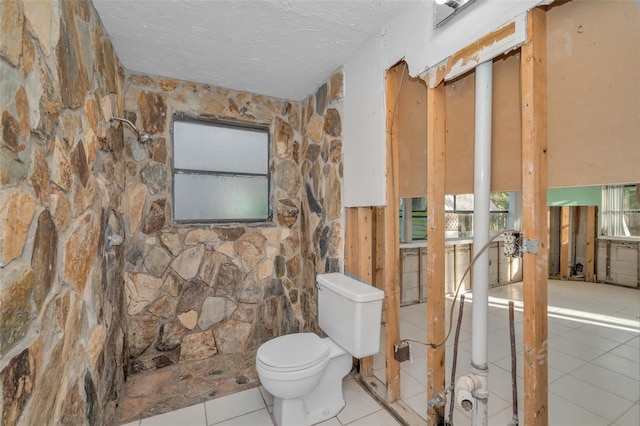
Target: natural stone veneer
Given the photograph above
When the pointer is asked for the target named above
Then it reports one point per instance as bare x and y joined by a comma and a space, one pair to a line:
204, 291
62, 176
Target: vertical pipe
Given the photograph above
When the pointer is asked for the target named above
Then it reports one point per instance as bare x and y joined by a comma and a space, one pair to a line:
454, 363
514, 374
481, 192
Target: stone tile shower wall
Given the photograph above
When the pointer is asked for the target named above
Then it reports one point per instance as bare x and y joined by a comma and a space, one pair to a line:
196, 292
61, 181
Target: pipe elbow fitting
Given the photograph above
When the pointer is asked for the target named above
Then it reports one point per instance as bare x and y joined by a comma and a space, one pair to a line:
465, 386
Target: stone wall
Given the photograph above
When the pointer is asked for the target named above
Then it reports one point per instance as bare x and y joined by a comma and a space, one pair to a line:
61, 179
200, 291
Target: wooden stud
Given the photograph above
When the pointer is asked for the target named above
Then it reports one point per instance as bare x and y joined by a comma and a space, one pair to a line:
351, 232
590, 267
378, 248
391, 240
564, 242
608, 262
534, 218
435, 248
638, 262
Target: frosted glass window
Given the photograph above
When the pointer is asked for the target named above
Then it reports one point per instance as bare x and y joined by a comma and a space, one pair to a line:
200, 146
207, 197
220, 172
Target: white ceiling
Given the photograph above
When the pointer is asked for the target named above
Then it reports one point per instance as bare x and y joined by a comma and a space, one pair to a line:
281, 48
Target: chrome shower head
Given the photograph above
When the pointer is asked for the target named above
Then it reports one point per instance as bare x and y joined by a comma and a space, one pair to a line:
142, 136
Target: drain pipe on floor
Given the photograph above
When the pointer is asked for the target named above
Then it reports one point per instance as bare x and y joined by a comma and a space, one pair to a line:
476, 382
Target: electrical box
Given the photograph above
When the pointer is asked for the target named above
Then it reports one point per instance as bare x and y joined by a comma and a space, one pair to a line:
402, 351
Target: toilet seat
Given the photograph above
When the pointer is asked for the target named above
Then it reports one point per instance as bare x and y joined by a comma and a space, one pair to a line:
292, 352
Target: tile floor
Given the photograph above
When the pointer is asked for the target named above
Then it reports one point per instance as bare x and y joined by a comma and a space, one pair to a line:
594, 366
253, 407
594, 355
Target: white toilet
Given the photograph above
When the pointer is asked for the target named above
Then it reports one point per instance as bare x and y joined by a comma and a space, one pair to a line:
304, 372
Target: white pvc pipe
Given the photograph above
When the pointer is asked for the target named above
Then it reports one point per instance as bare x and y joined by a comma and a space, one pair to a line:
481, 192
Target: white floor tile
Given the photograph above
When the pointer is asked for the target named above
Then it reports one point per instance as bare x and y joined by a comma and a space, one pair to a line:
358, 402
585, 323
381, 374
411, 331
331, 422
564, 363
627, 351
573, 348
416, 368
630, 418
418, 403
563, 412
410, 386
266, 396
586, 337
500, 383
620, 365
256, 418
619, 334
505, 416
590, 398
136, 423
505, 364
234, 405
378, 418
190, 416
603, 378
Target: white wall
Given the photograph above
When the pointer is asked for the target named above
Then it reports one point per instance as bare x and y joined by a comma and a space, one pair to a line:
410, 36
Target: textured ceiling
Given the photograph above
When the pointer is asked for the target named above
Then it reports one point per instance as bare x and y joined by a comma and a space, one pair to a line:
281, 48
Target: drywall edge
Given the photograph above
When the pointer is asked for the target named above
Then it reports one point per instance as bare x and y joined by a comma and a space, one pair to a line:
410, 36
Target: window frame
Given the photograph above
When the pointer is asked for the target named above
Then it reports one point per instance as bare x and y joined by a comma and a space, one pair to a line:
454, 197
609, 211
238, 125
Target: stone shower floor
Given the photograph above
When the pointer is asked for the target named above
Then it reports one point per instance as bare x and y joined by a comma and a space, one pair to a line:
160, 391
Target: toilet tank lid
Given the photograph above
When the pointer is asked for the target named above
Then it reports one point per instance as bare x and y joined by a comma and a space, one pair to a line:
350, 288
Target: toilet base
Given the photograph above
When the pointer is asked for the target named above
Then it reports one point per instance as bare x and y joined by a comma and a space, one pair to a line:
323, 402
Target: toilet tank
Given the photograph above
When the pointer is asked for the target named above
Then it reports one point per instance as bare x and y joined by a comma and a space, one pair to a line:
350, 311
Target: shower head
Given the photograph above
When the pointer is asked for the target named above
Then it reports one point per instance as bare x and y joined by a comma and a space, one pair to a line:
142, 136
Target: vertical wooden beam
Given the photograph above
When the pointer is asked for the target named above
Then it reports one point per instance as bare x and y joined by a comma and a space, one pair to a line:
391, 239
378, 247
350, 243
435, 248
534, 218
590, 267
564, 242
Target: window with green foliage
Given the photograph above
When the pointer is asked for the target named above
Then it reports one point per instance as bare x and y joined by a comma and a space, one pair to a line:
220, 171
458, 215
621, 210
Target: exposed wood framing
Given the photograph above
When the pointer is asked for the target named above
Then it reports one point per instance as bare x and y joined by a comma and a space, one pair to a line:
590, 267
638, 264
391, 241
358, 256
378, 247
435, 248
482, 50
534, 218
608, 264
564, 242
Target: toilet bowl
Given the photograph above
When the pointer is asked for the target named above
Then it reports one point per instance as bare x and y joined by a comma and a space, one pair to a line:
306, 380
304, 372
